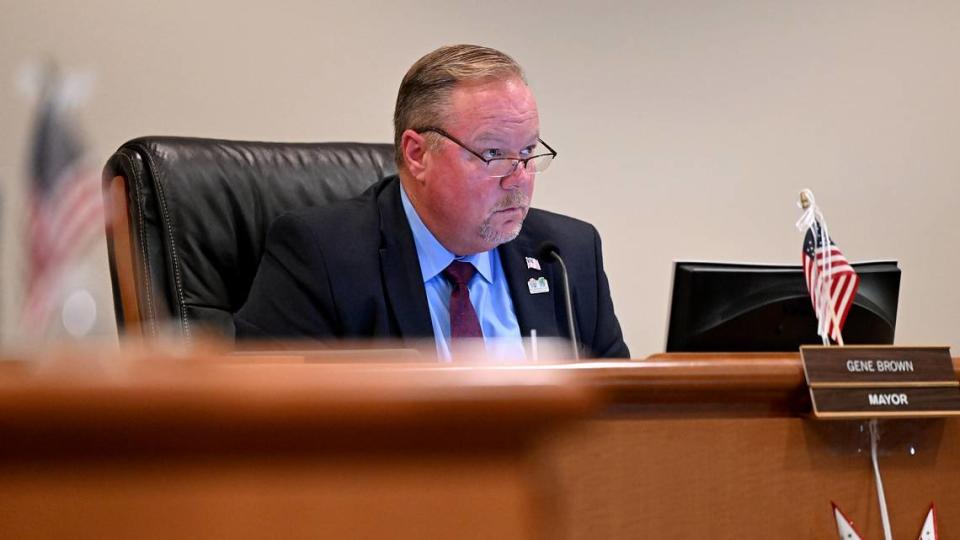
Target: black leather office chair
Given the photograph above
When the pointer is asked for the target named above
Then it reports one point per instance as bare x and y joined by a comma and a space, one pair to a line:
189, 218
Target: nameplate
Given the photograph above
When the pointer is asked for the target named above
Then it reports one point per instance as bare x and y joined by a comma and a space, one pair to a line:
885, 402
876, 381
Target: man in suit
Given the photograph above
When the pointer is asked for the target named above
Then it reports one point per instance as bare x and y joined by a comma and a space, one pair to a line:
450, 247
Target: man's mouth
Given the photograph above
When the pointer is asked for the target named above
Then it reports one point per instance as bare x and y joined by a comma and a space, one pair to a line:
511, 209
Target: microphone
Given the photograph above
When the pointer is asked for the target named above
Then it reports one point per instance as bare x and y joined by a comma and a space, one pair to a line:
549, 251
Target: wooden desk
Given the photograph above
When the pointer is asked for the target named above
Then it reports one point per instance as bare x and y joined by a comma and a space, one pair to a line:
676, 446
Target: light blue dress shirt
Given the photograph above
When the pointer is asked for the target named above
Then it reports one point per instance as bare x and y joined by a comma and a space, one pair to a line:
489, 293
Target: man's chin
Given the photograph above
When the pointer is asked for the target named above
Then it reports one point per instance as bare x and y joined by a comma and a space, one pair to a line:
496, 236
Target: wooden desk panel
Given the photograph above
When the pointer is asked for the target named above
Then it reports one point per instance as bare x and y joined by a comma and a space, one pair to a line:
737, 477
720, 446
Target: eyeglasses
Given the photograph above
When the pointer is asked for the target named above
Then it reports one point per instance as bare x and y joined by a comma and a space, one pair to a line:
500, 167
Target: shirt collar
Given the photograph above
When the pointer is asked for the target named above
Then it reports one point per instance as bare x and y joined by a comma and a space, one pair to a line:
434, 258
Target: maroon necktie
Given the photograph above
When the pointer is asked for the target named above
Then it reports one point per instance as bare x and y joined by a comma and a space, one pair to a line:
463, 318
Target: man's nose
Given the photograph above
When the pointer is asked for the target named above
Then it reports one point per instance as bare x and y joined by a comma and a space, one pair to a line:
517, 177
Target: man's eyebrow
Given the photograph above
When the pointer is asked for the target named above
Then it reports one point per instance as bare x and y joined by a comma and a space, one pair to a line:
489, 136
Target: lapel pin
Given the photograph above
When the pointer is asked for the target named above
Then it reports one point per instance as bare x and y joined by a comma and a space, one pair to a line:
538, 285
533, 263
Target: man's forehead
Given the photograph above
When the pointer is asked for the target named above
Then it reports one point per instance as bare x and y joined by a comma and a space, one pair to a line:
513, 89
495, 110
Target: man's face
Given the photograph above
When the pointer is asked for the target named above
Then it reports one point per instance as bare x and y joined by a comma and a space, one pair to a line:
466, 209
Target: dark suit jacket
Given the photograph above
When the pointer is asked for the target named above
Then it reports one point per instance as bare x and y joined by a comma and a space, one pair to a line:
350, 270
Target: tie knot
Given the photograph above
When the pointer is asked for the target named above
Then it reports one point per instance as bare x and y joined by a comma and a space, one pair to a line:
459, 273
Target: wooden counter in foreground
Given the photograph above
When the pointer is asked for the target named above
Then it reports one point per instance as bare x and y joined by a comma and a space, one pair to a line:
675, 446
201, 450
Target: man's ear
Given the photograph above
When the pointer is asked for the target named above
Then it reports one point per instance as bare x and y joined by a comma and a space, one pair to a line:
413, 147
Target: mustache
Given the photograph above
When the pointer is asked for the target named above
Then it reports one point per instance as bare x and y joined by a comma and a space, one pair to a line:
515, 199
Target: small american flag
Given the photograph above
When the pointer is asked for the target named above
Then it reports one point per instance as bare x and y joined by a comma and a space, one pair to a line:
831, 280
65, 206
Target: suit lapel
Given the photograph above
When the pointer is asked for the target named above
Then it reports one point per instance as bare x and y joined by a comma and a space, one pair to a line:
400, 267
534, 311
407, 298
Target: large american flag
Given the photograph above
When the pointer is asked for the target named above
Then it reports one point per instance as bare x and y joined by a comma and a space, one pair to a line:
65, 206
831, 280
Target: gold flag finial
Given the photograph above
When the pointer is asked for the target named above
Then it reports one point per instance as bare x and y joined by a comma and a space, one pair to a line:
804, 199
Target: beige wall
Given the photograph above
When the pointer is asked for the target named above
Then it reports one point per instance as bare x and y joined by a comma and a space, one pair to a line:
685, 129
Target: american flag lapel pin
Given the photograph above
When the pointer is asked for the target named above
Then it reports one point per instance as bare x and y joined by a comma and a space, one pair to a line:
533, 264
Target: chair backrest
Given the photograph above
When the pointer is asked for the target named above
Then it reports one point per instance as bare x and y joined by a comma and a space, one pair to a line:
189, 219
